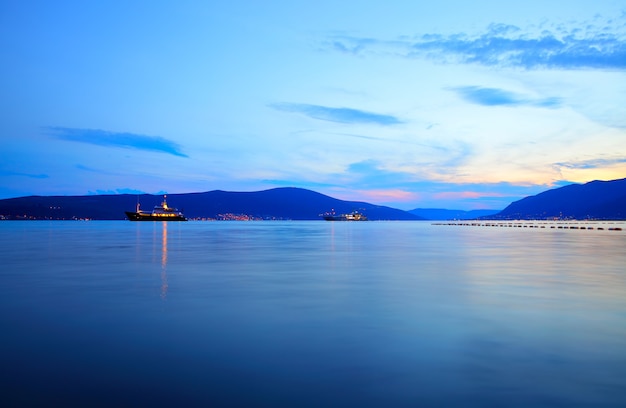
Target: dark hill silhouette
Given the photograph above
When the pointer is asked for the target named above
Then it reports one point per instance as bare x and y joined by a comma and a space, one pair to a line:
604, 200
280, 203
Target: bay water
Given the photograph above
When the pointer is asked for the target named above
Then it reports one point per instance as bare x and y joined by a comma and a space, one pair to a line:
311, 314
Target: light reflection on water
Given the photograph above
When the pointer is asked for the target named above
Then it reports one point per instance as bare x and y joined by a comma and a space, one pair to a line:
311, 314
164, 261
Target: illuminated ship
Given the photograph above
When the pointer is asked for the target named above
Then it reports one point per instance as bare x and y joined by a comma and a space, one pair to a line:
353, 216
160, 213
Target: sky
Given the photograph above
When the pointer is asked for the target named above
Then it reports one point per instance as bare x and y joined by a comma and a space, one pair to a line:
410, 104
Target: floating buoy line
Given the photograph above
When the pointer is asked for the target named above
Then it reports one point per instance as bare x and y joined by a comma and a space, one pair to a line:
519, 224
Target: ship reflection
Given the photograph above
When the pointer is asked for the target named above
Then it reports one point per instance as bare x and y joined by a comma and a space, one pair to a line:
164, 262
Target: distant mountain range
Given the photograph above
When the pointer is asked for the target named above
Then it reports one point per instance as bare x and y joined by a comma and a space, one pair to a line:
441, 214
593, 200
280, 203
602, 200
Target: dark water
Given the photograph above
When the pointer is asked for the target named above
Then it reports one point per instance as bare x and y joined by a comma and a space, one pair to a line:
310, 314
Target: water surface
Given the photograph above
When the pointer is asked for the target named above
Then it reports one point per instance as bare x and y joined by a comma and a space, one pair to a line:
311, 314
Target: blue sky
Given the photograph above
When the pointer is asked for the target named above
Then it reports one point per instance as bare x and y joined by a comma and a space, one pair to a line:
447, 104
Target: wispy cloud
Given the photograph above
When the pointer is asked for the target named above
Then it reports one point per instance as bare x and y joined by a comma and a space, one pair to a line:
341, 115
118, 191
592, 47
456, 195
117, 139
501, 97
21, 174
353, 45
87, 168
389, 195
591, 164
403, 188
391, 187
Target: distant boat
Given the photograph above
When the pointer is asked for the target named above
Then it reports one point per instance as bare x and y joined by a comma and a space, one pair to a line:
160, 213
353, 216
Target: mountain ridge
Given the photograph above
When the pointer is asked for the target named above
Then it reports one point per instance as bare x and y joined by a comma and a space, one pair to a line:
285, 203
596, 199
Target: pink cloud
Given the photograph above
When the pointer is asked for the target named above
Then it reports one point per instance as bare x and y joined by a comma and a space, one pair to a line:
378, 196
456, 195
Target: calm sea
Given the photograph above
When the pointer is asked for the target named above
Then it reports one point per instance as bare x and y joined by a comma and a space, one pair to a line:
311, 314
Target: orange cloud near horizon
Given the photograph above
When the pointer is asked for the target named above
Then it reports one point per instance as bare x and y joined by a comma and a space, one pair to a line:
455, 195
